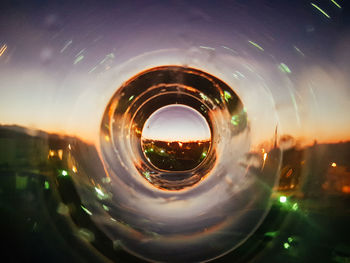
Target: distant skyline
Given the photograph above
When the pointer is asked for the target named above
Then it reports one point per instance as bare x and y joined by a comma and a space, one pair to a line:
176, 123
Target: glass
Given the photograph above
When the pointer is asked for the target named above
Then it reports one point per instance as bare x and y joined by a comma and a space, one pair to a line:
89, 167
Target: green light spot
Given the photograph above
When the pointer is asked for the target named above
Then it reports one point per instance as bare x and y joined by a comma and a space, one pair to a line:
46, 185
204, 154
286, 245
319, 9
235, 120
290, 239
86, 210
64, 173
283, 199
105, 207
256, 45
227, 95
147, 175
295, 206
284, 68
131, 97
203, 96
337, 5
272, 234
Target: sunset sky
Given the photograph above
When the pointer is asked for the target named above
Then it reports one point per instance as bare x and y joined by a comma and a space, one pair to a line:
59, 60
176, 123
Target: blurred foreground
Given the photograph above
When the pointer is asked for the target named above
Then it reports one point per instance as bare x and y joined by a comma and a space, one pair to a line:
42, 217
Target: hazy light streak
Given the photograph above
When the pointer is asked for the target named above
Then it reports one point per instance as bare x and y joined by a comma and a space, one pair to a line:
209, 48
256, 45
66, 45
109, 56
295, 106
283, 67
314, 97
3, 49
299, 51
319, 9
230, 49
240, 74
78, 59
93, 69
80, 52
337, 5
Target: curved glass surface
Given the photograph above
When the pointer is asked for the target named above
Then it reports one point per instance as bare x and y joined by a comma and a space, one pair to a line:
187, 131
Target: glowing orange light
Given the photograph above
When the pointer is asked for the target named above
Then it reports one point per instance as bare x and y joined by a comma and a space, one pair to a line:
265, 156
60, 154
74, 169
107, 138
69, 147
346, 189
289, 173
51, 153
180, 144
334, 165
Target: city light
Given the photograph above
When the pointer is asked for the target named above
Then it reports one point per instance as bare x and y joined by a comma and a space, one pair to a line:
64, 173
60, 154
283, 199
334, 165
86, 210
99, 191
295, 206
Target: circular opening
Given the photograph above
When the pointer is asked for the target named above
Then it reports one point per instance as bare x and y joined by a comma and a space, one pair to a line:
166, 125
176, 138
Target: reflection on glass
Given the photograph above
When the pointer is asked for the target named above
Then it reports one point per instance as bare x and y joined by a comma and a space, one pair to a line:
267, 86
